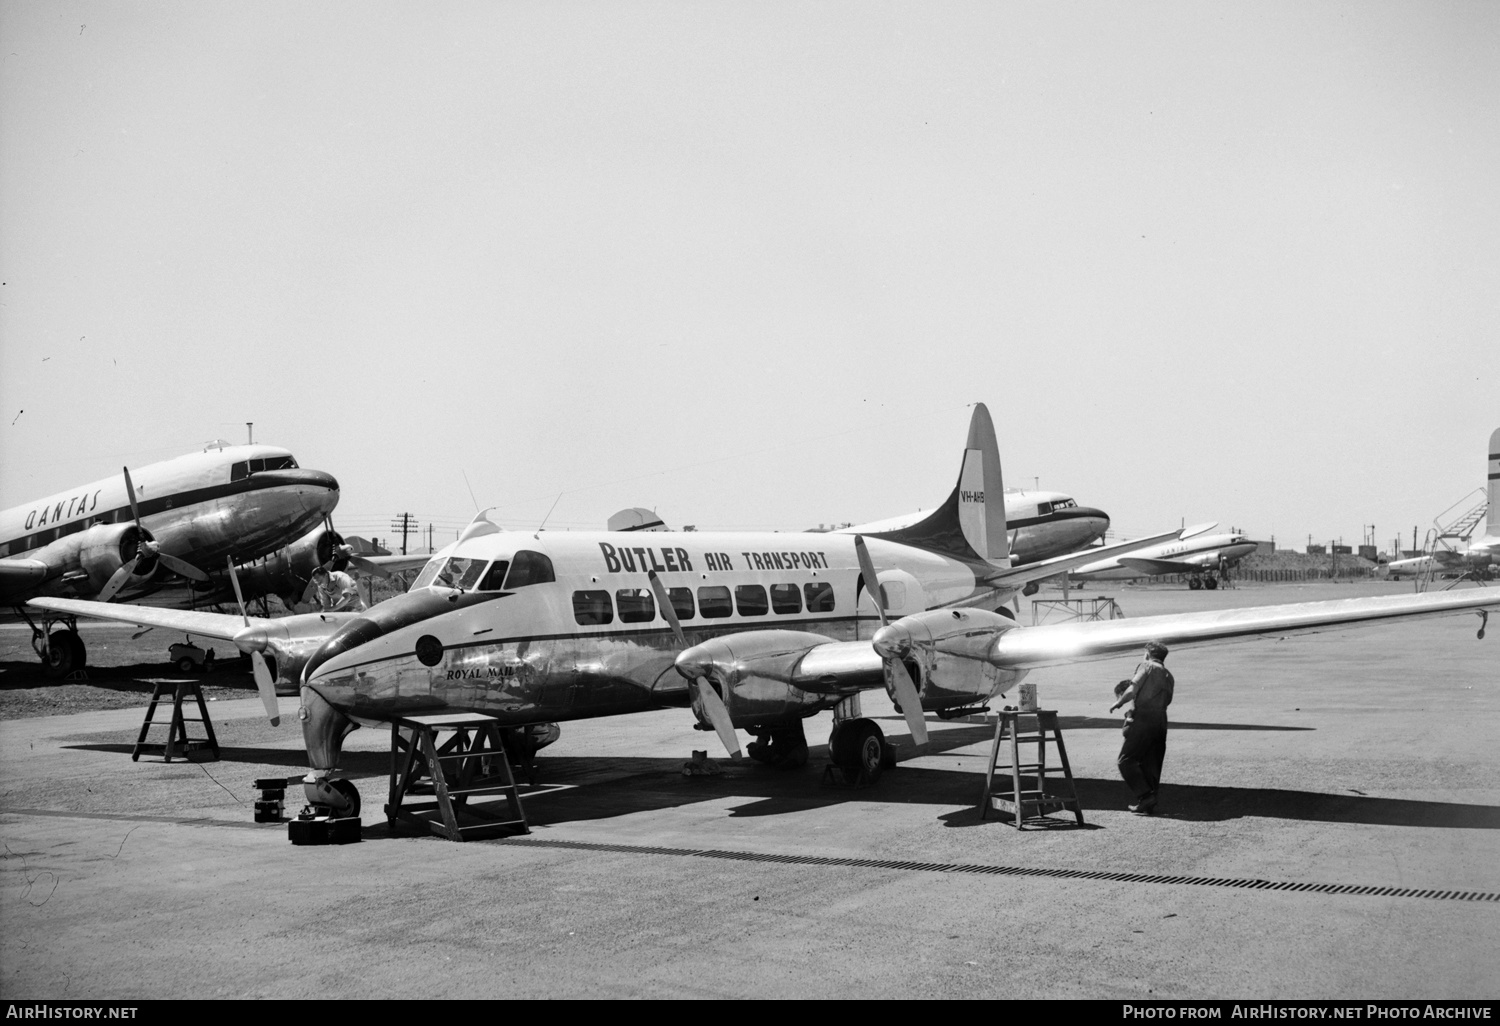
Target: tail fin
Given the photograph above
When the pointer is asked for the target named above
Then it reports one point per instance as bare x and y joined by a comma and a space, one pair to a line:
1492, 526
971, 525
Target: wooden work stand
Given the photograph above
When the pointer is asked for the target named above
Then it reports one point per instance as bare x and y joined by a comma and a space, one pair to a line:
1005, 759
472, 761
177, 743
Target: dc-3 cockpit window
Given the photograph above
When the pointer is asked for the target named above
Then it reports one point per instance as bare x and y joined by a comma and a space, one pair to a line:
244, 468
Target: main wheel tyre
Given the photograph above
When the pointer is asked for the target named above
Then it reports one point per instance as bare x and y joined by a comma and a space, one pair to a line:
61, 657
80, 654
1194, 584
1211, 583
861, 750
351, 795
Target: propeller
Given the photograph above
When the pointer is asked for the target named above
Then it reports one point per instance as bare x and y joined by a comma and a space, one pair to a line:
343, 555
263, 682
713, 705
901, 683
147, 550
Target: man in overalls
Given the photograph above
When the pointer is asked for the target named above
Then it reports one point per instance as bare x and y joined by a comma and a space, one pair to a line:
1145, 743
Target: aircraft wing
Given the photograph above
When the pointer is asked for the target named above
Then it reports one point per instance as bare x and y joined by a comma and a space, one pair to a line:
21, 573
1055, 644
1156, 567
189, 621
395, 564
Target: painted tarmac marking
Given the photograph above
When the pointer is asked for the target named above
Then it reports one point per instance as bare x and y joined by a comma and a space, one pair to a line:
1060, 874
120, 818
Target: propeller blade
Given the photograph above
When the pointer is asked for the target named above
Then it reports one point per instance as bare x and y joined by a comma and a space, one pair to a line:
907, 697
368, 567
115, 583
135, 510
266, 686
664, 603
179, 566
239, 597
872, 582
718, 715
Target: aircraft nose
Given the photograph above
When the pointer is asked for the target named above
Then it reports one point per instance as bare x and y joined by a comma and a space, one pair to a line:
351, 635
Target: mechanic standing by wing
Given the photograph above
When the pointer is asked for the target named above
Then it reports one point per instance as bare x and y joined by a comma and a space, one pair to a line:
1145, 726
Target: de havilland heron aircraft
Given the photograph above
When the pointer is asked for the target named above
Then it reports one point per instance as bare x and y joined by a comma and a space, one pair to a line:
129, 537
1207, 558
753, 631
1480, 556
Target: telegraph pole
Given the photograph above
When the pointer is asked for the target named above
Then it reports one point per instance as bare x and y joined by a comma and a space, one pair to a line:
403, 523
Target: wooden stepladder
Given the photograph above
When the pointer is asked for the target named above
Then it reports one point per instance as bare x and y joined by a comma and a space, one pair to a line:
1005, 758
177, 743
472, 761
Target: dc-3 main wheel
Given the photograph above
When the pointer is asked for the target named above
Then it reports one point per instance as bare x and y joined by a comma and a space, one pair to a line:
1194, 584
1211, 583
65, 653
858, 748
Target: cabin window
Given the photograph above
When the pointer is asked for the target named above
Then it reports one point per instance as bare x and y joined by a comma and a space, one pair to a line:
591, 608
819, 597
713, 601
785, 598
495, 576
682, 602
528, 567
750, 599
636, 605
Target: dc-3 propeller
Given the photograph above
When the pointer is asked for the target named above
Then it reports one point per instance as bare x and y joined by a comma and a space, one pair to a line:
903, 687
263, 682
147, 551
713, 705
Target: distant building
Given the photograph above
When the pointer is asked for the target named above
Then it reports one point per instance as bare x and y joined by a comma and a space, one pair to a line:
1369, 552
1317, 550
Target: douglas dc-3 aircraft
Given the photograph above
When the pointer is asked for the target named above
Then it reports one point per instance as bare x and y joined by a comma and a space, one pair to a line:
1039, 525
125, 537
755, 632
1204, 556
1482, 555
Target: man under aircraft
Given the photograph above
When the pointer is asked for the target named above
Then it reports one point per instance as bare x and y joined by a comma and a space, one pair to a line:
754, 632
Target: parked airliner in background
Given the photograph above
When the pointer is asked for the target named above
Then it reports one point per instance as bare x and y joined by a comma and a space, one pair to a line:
1206, 557
127, 536
755, 632
1040, 525
1480, 556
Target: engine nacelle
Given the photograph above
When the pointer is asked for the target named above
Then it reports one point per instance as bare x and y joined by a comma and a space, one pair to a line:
287, 572
104, 548
753, 672
946, 652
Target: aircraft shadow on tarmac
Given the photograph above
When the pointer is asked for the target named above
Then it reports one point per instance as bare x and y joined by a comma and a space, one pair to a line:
577, 788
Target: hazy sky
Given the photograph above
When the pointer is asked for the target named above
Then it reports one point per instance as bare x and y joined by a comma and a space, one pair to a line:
749, 263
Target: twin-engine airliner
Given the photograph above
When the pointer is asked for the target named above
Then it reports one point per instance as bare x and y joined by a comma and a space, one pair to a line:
126, 537
1206, 558
755, 632
1040, 525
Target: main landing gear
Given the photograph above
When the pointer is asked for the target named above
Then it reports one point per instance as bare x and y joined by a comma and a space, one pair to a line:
60, 650
859, 749
782, 748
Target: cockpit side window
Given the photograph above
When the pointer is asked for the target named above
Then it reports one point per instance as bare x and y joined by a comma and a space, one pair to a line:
495, 577
429, 572
1043, 508
528, 567
239, 471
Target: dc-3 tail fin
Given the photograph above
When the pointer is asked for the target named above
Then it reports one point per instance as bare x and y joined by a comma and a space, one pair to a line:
1492, 472
971, 525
